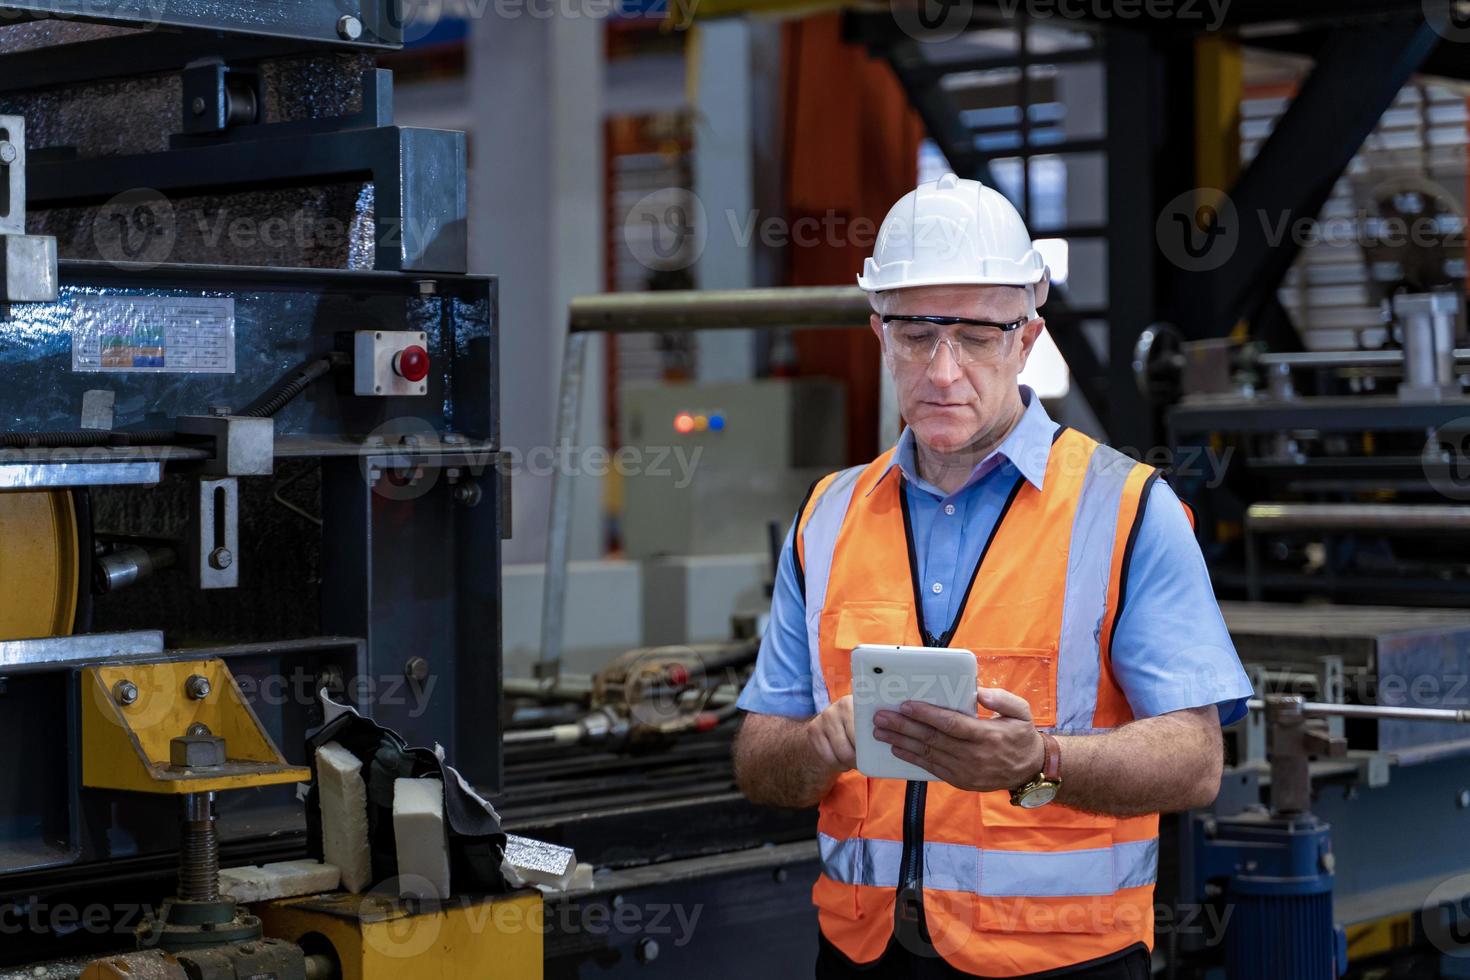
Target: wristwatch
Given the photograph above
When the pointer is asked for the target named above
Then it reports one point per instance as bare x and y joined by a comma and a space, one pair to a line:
1042, 788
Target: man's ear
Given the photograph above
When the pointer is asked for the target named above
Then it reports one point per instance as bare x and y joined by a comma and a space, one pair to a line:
1030, 333
876, 322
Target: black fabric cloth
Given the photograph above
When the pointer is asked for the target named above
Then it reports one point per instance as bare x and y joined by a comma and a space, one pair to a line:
899, 963
476, 841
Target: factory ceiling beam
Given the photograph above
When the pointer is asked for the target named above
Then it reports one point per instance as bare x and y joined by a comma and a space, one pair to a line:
1359, 72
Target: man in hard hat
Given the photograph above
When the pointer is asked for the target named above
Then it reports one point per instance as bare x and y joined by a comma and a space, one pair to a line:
1073, 575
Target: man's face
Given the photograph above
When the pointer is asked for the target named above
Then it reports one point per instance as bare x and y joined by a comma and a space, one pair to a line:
951, 406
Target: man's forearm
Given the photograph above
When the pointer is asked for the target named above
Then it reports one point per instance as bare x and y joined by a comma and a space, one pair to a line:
775, 763
1153, 765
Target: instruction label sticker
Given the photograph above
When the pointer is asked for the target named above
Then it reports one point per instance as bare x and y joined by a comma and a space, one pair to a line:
160, 334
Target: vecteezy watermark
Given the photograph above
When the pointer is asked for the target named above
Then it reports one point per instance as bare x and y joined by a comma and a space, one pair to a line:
942, 20
37, 918
1446, 459
670, 228
666, 230
1205, 922
138, 14
1446, 916
407, 936
148, 704
144, 226
413, 461
138, 225
1450, 19
1198, 230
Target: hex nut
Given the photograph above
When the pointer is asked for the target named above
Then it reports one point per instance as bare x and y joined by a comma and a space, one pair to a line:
197, 687
197, 751
125, 692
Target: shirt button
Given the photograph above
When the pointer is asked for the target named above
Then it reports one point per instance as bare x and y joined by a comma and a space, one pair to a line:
949, 509
936, 588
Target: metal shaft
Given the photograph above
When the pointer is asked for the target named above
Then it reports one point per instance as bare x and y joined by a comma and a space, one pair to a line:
1323, 709
199, 851
1357, 517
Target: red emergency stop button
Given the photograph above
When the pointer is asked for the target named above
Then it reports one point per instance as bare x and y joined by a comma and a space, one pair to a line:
412, 363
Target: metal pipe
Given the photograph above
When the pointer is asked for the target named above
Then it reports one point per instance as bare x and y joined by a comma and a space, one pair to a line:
1357, 517
1380, 711
1347, 359
720, 309
130, 564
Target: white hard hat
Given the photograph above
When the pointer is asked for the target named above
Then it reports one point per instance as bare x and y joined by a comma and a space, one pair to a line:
953, 232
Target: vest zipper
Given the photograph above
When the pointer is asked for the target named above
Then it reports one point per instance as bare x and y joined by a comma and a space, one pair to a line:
909, 908
910, 877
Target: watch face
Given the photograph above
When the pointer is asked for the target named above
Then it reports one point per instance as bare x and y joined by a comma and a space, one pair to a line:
1039, 796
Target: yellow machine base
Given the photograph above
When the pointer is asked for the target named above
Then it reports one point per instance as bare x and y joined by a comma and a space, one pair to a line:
376, 937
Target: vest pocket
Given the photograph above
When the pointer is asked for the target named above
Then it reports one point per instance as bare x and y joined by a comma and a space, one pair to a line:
877, 621
850, 625
1030, 672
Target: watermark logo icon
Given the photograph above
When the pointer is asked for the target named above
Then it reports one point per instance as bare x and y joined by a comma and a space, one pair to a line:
1198, 230
1446, 459
1450, 19
932, 20
1446, 917
138, 225
666, 230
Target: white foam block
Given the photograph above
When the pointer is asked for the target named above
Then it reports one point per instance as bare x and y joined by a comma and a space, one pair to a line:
282, 879
343, 798
420, 839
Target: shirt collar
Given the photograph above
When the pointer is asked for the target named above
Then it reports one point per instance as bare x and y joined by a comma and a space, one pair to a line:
1026, 447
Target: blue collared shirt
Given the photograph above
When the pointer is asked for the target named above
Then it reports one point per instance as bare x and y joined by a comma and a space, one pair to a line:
1170, 651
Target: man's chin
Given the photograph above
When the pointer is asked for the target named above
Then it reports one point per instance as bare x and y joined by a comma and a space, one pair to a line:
942, 437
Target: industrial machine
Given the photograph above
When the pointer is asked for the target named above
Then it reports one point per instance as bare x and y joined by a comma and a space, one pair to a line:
752, 450
249, 455
251, 458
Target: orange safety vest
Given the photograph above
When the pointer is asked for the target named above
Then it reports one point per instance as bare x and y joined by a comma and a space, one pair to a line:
1005, 891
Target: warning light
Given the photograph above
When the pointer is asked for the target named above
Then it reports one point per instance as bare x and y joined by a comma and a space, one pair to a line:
701, 422
716, 423
683, 423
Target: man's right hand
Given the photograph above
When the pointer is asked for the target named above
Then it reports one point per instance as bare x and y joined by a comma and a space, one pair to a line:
830, 736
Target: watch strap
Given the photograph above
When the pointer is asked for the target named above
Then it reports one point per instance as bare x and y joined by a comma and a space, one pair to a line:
1051, 764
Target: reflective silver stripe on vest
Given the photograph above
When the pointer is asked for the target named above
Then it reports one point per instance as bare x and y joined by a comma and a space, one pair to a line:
860, 860
1089, 567
995, 873
818, 543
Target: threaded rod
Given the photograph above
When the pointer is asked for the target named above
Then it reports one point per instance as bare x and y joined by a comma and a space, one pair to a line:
199, 851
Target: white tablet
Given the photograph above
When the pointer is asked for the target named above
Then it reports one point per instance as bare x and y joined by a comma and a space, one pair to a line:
884, 677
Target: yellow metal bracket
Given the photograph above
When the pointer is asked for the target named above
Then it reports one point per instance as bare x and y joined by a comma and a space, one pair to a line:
379, 937
131, 713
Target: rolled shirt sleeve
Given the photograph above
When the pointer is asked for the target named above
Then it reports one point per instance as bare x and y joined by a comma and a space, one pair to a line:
782, 682
1171, 649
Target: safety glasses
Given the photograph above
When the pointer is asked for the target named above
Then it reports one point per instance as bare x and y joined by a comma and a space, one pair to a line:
915, 339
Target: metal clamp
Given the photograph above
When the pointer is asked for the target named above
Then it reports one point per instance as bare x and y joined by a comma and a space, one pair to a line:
27, 262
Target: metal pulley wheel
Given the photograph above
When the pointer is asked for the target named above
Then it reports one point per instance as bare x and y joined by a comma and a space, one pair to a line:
40, 571
1158, 363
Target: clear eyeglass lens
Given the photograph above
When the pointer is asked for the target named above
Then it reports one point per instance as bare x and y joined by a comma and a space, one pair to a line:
915, 342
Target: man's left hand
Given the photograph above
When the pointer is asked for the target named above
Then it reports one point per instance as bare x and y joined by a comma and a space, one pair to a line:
969, 753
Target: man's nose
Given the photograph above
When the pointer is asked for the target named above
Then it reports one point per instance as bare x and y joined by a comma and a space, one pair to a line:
944, 370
